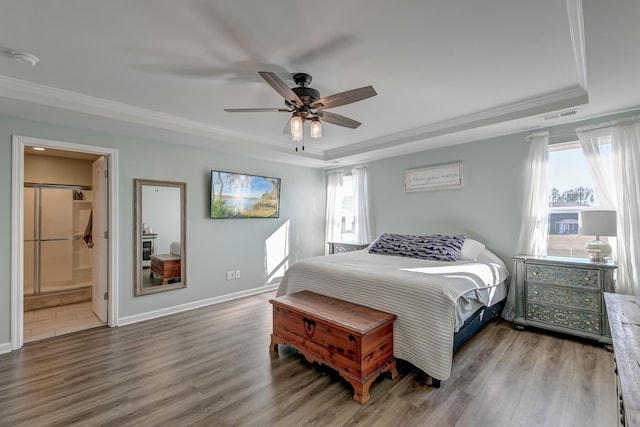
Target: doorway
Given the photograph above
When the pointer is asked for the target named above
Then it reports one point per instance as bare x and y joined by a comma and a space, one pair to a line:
58, 245
60, 249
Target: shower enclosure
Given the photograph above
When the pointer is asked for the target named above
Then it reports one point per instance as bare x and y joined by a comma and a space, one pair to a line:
57, 236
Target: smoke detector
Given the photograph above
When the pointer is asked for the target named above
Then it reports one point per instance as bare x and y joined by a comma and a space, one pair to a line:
25, 58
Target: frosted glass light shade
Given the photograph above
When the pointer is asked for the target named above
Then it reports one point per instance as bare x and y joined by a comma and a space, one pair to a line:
316, 128
296, 127
296, 123
297, 136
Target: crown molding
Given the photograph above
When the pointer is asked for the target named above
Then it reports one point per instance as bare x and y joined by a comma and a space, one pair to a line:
76, 102
554, 101
72, 101
576, 29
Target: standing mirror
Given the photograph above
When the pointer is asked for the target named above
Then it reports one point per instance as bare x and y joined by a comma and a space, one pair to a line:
161, 262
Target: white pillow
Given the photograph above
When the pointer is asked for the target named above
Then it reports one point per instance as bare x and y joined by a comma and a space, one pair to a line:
471, 249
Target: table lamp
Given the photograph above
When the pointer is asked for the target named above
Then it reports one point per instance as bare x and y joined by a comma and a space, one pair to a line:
598, 223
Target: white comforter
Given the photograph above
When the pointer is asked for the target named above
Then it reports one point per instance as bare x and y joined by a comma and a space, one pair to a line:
422, 293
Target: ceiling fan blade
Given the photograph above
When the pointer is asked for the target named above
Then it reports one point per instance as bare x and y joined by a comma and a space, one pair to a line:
344, 98
287, 128
339, 120
255, 110
281, 87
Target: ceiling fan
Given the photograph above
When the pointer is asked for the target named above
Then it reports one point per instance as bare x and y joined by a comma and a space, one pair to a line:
305, 103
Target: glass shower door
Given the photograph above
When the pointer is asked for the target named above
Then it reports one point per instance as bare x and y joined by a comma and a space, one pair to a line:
56, 239
60, 260
30, 246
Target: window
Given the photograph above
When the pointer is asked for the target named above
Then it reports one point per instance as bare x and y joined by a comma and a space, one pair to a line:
347, 206
571, 189
348, 215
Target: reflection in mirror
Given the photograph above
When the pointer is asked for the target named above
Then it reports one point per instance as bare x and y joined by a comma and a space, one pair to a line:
160, 236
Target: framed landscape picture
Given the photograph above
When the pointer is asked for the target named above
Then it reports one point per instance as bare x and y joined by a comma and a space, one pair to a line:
237, 195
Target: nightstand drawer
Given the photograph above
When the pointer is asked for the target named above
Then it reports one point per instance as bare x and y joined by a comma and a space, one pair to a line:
575, 319
558, 275
564, 296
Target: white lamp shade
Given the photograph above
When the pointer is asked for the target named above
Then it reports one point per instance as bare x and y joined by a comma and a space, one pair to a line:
598, 223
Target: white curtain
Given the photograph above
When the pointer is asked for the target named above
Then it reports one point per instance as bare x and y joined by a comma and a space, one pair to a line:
335, 195
362, 227
616, 171
535, 210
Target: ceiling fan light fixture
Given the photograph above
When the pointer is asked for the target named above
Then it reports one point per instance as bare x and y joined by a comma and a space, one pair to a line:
297, 136
306, 103
316, 128
296, 127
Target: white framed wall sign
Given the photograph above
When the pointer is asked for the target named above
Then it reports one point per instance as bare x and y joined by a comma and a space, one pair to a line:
430, 178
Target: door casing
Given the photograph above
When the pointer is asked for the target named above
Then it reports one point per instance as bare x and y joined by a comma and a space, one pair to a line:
17, 231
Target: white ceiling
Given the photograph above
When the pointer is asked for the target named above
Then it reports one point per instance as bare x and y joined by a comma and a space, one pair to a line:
446, 71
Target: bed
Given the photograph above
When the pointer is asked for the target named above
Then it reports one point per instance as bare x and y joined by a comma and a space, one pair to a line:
439, 304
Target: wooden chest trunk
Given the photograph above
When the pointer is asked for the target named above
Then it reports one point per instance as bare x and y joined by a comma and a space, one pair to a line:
167, 266
354, 340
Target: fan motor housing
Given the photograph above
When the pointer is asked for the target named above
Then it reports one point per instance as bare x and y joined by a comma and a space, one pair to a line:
306, 93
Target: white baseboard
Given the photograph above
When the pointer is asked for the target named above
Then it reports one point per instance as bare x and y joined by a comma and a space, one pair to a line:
122, 321
5, 347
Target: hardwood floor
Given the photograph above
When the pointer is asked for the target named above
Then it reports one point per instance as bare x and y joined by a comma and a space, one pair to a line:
212, 367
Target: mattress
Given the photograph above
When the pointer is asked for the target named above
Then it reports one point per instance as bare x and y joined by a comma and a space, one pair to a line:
431, 298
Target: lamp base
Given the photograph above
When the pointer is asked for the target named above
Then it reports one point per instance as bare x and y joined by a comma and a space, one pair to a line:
597, 250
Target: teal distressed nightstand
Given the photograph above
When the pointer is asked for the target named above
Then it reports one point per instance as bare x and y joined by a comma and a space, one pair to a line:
339, 247
563, 295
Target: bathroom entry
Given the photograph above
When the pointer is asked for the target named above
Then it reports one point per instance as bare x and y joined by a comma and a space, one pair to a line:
57, 259
63, 250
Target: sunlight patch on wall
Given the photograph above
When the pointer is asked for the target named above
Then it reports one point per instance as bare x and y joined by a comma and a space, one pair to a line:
277, 253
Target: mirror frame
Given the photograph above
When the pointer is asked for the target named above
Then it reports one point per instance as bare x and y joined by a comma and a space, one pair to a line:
139, 289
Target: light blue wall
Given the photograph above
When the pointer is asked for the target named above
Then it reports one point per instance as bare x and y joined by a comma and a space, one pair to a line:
489, 206
213, 246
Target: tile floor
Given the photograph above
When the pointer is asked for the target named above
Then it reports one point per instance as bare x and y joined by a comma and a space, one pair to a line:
55, 321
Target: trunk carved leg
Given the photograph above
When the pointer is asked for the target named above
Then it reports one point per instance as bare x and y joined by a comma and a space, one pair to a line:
275, 341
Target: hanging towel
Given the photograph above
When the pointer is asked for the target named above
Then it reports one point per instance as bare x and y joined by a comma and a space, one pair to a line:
88, 231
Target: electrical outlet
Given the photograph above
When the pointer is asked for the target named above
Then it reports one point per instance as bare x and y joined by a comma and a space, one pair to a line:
230, 275
237, 274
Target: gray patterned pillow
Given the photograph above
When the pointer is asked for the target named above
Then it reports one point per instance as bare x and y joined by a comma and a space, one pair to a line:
436, 247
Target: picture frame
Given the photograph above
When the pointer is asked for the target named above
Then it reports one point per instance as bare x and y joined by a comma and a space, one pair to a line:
239, 195
431, 178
